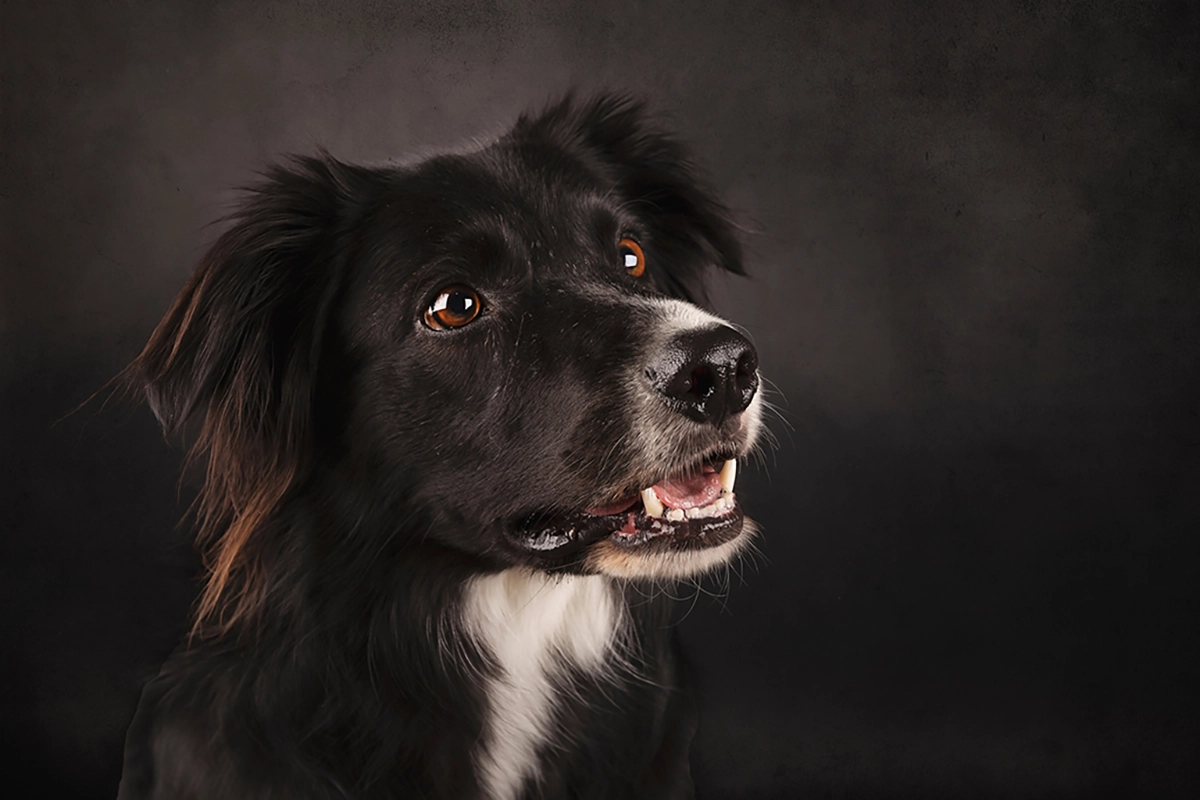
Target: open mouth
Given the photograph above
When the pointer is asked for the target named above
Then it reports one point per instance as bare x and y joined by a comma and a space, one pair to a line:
691, 509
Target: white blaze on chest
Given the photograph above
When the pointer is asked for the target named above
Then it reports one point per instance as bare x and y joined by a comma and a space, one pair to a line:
530, 623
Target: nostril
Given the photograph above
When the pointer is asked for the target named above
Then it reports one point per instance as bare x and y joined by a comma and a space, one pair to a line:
747, 365
701, 382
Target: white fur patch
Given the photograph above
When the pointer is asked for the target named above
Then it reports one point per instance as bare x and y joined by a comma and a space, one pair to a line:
679, 316
531, 623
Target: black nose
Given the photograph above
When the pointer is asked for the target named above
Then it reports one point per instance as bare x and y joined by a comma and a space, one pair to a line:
707, 375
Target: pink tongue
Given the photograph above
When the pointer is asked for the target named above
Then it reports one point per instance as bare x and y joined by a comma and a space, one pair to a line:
680, 491
689, 491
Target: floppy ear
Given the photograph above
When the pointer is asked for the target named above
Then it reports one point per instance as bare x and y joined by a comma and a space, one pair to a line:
239, 350
249, 321
690, 229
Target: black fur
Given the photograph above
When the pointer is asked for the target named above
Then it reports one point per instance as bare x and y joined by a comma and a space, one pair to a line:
362, 468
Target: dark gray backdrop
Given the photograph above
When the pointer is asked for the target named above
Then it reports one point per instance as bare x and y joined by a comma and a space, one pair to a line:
973, 237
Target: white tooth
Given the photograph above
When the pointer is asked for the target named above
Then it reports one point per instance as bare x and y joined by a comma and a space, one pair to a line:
728, 475
693, 513
654, 506
676, 515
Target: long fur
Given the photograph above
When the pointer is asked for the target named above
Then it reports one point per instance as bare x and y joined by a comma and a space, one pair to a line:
372, 623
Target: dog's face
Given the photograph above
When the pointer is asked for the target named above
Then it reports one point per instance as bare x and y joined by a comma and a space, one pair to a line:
530, 375
502, 351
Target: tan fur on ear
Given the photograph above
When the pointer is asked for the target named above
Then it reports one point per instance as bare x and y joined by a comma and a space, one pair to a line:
241, 489
225, 600
231, 354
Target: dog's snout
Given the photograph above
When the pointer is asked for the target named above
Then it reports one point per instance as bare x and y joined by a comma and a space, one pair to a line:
707, 375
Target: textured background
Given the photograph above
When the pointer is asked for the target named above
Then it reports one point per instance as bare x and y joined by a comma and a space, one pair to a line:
973, 233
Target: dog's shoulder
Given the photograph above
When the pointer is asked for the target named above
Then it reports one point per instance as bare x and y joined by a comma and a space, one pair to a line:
203, 730
172, 747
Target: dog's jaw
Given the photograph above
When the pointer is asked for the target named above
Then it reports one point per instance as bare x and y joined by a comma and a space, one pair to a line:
607, 557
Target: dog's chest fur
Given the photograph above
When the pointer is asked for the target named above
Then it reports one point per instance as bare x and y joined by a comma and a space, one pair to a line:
536, 629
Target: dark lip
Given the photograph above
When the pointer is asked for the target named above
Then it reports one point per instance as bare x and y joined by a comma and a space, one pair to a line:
687, 534
558, 539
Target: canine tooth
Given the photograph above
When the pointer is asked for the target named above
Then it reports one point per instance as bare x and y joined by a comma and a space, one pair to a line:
654, 506
676, 515
728, 475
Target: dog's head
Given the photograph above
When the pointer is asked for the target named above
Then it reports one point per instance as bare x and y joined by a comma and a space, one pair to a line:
502, 352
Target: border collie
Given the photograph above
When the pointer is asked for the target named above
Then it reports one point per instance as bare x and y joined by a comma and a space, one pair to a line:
462, 420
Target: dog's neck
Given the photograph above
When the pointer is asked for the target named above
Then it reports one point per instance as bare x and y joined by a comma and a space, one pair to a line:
535, 628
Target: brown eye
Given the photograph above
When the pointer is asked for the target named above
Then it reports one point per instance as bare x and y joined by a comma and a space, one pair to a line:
454, 307
634, 258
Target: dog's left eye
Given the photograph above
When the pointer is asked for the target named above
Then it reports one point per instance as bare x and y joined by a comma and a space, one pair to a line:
632, 255
454, 307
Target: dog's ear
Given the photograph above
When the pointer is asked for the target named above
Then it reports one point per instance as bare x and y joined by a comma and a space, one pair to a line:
690, 229
239, 351
247, 327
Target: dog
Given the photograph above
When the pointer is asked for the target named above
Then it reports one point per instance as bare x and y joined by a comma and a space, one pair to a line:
462, 420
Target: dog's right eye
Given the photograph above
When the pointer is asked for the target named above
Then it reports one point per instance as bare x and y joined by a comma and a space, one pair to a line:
454, 307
